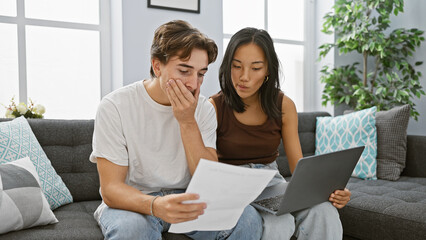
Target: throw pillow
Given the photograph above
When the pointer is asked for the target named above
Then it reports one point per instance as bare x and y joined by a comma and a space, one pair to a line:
22, 203
391, 128
392, 141
18, 141
351, 130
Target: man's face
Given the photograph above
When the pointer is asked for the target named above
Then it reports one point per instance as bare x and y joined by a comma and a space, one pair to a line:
190, 71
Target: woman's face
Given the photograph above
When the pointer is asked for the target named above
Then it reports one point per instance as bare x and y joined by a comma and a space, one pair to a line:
249, 70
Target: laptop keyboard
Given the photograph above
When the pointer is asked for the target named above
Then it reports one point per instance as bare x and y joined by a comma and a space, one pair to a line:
272, 203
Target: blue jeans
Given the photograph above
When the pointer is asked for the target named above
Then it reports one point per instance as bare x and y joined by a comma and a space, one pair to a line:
321, 221
122, 224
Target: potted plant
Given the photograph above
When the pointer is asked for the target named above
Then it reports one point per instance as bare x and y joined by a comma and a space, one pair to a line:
390, 78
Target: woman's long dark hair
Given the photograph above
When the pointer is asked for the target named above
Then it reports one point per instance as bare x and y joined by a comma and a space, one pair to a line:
269, 90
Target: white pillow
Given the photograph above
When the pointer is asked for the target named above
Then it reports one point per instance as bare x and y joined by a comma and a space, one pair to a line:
22, 202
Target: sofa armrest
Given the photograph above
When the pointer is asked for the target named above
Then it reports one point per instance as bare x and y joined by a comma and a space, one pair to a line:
416, 156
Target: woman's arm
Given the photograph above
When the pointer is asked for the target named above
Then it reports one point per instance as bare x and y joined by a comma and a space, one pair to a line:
290, 133
290, 136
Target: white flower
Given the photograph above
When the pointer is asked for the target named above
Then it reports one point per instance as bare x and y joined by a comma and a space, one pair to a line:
22, 108
9, 114
39, 109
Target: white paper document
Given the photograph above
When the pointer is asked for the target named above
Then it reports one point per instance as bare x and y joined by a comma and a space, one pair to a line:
227, 190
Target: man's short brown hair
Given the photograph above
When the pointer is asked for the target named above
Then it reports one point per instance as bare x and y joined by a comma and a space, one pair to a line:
179, 38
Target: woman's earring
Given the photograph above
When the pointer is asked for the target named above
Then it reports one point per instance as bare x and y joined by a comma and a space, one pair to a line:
266, 79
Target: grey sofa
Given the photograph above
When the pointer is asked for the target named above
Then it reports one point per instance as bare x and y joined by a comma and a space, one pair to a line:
378, 209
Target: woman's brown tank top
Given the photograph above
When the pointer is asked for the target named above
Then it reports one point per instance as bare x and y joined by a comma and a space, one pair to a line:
238, 143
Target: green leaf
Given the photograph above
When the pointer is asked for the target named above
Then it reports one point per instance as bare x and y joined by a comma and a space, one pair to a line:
347, 99
418, 94
404, 93
395, 11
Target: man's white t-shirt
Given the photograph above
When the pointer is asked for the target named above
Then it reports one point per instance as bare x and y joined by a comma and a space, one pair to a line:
133, 130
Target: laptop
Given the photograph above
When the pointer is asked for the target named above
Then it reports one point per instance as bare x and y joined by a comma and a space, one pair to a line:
312, 182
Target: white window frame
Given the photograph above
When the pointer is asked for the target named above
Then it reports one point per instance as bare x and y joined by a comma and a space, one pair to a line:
105, 43
307, 87
310, 57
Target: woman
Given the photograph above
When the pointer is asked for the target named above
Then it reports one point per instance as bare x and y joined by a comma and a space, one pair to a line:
253, 117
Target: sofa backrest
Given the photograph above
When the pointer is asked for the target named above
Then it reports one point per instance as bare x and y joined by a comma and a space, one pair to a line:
307, 126
416, 147
415, 165
68, 144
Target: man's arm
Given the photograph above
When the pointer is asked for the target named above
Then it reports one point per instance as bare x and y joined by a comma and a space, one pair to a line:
184, 105
194, 146
117, 194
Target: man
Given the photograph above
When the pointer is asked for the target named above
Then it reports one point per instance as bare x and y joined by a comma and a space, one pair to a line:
149, 137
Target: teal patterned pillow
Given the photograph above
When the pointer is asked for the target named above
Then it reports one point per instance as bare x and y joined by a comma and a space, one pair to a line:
18, 141
350, 130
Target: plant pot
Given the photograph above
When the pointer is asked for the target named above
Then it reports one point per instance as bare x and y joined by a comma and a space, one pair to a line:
339, 109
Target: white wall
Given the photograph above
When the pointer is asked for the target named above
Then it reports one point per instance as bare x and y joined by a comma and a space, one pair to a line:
414, 17
139, 23
321, 8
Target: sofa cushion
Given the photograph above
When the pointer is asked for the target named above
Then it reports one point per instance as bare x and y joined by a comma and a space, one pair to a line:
17, 141
76, 221
22, 202
384, 209
351, 130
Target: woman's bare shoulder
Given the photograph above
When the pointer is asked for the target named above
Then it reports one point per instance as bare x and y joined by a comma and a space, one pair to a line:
288, 106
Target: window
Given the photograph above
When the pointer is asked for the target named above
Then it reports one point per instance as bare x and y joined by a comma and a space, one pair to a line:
55, 52
285, 20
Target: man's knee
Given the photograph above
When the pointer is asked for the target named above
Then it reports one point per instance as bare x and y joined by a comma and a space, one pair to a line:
129, 225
